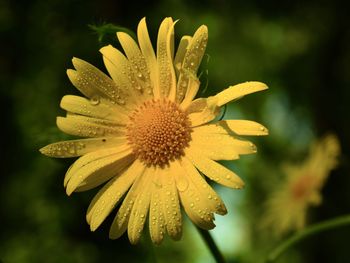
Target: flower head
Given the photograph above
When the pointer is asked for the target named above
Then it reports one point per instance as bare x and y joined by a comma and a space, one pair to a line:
287, 206
148, 139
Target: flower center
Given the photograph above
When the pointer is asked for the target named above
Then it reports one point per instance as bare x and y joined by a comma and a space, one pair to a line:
158, 132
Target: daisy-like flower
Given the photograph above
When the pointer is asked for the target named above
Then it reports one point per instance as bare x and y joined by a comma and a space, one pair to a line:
286, 208
148, 138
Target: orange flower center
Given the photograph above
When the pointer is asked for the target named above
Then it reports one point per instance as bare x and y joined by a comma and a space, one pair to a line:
158, 132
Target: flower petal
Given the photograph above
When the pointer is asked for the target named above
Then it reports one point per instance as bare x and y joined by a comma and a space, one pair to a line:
148, 51
208, 195
179, 57
138, 62
75, 148
238, 91
107, 198
206, 137
196, 209
214, 170
140, 208
96, 108
192, 61
244, 127
171, 203
166, 71
120, 222
156, 216
191, 92
202, 111
97, 167
94, 84
88, 127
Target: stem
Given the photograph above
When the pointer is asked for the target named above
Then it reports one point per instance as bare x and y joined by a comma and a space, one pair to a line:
311, 230
211, 245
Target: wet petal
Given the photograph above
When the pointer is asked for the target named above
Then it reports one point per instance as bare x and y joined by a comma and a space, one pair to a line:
191, 62
238, 91
208, 195
140, 208
214, 170
110, 195
166, 71
179, 57
138, 63
96, 107
148, 51
171, 203
202, 111
195, 208
191, 92
97, 171
120, 222
156, 216
88, 127
75, 148
93, 83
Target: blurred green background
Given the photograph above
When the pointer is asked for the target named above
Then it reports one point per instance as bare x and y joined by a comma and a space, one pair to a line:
299, 48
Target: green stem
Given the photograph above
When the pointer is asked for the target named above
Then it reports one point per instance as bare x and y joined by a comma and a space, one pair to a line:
311, 230
211, 245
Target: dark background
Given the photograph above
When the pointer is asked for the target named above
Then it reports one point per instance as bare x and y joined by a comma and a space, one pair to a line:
300, 49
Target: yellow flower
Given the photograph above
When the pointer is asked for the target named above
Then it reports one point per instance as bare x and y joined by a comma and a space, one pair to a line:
287, 206
149, 139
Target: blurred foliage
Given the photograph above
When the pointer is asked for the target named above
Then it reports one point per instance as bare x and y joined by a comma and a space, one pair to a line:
300, 49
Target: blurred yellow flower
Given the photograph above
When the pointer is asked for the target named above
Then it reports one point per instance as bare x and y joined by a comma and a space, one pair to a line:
148, 136
287, 206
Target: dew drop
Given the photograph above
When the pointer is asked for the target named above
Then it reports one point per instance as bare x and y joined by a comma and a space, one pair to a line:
182, 184
95, 100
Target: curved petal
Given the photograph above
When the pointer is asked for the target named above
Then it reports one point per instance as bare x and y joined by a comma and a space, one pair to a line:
148, 51
110, 195
202, 111
75, 148
238, 91
195, 208
88, 127
166, 71
120, 222
244, 127
99, 170
94, 84
138, 63
178, 60
208, 195
191, 63
171, 203
214, 170
96, 108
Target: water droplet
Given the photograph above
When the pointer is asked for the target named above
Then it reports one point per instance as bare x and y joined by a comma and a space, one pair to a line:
182, 184
95, 100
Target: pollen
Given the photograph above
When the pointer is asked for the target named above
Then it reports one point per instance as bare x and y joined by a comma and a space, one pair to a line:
158, 132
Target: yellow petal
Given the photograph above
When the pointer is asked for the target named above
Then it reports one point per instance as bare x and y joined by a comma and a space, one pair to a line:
208, 195
179, 57
88, 127
138, 63
166, 71
191, 92
171, 203
109, 196
195, 208
156, 216
214, 170
140, 208
238, 91
192, 61
94, 84
120, 222
244, 127
212, 140
119, 68
148, 52
97, 171
75, 148
202, 111
96, 107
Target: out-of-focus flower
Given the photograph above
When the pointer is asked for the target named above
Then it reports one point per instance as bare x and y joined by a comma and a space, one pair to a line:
149, 136
286, 207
